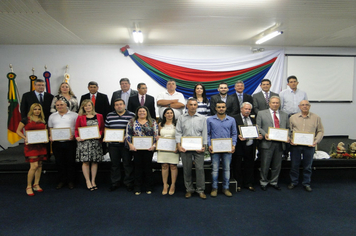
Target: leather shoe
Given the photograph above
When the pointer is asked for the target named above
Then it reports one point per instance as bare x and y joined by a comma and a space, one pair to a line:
202, 195
308, 188
291, 186
227, 192
60, 185
70, 185
238, 189
113, 188
252, 189
264, 188
188, 195
276, 187
214, 192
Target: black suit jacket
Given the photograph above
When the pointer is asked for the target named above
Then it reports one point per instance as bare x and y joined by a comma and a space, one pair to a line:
30, 98
101, 103
231, 106
239, 121
149, 103
245, 98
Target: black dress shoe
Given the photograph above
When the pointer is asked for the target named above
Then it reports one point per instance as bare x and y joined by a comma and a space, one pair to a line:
238, 189
70, 185
113, 188
264, 188
60, 185
276, 187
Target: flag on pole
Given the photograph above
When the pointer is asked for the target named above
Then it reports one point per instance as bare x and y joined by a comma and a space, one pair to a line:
14, 116
47, 75
32, 84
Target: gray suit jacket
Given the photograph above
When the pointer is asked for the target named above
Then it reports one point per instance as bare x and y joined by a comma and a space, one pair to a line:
264, 120
259, 101
117, 94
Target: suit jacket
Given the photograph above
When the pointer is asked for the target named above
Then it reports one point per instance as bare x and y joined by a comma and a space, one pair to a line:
30, 98
101, 103
149, 103
239, 121
259, 101
245, 98
231, 106
117, 94
265, 120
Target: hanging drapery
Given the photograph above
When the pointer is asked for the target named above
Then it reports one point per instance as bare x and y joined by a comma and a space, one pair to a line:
251, 69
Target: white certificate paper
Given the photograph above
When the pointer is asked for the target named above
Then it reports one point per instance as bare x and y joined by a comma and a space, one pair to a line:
301, 138
221, 145
190, 143
60, 134
166, 144
250, 131
89, 132
37, 136
114, 135
278, 134
142, 142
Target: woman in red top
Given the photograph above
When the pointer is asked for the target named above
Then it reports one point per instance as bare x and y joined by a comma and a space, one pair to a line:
34, 153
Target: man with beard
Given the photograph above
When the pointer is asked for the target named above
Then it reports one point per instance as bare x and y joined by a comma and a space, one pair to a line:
231, 105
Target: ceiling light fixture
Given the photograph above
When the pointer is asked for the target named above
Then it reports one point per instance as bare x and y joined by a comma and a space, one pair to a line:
137, 36
268, 37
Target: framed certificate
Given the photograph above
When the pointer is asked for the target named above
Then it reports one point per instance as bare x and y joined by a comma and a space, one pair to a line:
166, 144
221, 145
37, 136
278, 134
114, 135
60, 134
303, 138
142, 142
191, 143
89, 132
250, 131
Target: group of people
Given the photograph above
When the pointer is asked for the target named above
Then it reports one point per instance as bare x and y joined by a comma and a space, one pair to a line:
134, 111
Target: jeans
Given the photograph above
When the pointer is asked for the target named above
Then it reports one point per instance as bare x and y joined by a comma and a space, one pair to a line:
296, 153
226, 160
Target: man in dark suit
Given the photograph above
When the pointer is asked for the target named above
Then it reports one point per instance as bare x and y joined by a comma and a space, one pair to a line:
271, 151
245, 152
240, 97
261, 99
125, 93
37, 96
101, 103
142, 99
231, 105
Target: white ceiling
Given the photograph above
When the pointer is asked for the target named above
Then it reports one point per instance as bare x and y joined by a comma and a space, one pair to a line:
179, 22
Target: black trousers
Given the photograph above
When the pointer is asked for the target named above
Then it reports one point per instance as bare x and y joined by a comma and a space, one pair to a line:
64, 153
116, 154
243, 161
143, 170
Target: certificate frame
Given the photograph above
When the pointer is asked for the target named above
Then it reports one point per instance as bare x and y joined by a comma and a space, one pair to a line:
303, 138
191, 143
221, 145
141, 142
167, 145
66, 132
89, 132
109, 135
37, 136
247, 130
278, 134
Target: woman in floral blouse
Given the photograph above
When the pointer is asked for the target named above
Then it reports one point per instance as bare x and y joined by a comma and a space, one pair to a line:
142, 125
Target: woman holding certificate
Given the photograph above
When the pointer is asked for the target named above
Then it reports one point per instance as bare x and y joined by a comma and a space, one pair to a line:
142, 125
34, 153
89, 151
169, 160
66, 94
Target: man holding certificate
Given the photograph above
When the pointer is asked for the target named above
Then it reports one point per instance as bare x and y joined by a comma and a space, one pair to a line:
303, 125
272, 123
221, 128
188, 125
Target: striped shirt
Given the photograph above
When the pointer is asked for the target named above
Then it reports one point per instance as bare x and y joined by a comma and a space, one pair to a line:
203, 108
115, 121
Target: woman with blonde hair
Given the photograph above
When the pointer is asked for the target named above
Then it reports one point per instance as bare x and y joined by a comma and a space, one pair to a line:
34, 153
89, 151
66, 94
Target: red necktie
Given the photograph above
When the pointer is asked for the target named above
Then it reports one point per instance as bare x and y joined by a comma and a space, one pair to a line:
276, 121
93, 99
142, 101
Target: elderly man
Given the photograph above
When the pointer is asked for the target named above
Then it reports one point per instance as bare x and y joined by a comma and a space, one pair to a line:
64, 150
305, 121
142, 99
125, 93
231, 105
192, 124
272, 151
261, 99
171, 98
221, 126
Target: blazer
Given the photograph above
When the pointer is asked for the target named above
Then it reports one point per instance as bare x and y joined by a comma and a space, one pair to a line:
231, 106
245, 98
239, 121
82, 122
134, 102
259, 101
101, 103
30, 98
117, 94
264, 120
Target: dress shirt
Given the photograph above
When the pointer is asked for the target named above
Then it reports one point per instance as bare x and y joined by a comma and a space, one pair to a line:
290, 100
249, 142
140, 97
167, 96
94, 94
223, 98
272, 114
66, 120
218, 128
125, 96
191, 126
311, 124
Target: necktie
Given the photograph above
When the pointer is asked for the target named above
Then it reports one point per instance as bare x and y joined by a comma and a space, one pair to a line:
41, 98
93, 99
240, 100
276, 121
245, 121
142, 101
266, 97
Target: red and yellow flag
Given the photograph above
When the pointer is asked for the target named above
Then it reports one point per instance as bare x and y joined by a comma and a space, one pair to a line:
14, 116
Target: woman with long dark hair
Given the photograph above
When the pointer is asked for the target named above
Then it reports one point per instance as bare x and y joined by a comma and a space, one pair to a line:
203, 101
